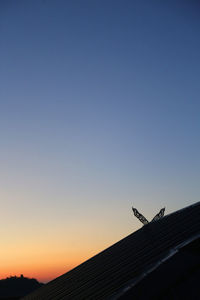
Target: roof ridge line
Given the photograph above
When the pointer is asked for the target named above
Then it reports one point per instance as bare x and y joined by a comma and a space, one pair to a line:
186, 207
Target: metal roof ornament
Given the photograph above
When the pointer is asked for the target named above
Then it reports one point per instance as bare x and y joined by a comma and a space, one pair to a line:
159, 215
144, 220
140, 216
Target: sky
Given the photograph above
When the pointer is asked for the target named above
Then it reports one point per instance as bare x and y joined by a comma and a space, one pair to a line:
99, 111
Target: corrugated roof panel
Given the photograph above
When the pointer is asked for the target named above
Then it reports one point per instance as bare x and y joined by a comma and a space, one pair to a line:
106, 273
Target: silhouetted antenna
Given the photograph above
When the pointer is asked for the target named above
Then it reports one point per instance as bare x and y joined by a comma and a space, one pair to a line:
144, 220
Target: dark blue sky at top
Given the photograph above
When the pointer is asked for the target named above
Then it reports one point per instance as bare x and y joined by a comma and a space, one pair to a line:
107, 90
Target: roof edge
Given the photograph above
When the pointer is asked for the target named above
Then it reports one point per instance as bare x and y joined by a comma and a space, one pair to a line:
170, 253
185, 207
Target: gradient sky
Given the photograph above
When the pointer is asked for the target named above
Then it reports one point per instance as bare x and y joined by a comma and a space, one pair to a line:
99, 111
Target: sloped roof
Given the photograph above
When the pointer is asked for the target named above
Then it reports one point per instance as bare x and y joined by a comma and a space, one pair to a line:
108, 274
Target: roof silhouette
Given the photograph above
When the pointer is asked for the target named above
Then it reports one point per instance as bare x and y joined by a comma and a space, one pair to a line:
122, 268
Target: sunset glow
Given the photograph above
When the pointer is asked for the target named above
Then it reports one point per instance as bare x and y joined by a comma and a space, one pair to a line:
99, 112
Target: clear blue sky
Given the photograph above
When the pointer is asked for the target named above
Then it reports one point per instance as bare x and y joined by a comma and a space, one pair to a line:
99, 110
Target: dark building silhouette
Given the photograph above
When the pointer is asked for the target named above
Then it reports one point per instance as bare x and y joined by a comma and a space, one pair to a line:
159, 261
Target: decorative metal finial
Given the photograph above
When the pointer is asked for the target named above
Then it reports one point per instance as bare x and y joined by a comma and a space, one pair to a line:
144, 220
140, 216
159, 215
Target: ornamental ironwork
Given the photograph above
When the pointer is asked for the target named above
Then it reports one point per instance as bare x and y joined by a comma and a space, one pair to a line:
144, 220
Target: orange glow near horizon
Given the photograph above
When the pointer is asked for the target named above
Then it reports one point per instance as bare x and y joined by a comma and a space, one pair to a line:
94, 119
40, 266
41, 273
42, 247
45, 259
43, 270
